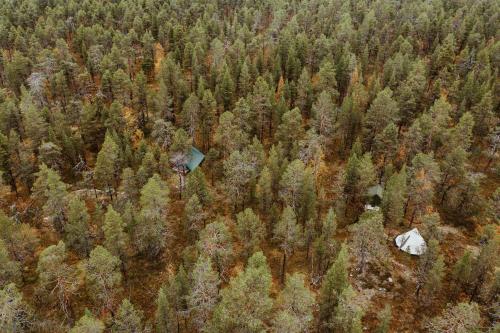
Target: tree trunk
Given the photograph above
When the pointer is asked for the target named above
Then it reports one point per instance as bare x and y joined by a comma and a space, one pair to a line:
413, 216
283, 268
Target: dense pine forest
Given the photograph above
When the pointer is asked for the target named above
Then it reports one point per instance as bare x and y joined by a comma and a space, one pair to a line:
249, 166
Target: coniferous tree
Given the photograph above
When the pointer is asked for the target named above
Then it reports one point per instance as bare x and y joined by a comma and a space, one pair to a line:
102, 276
76, 229
348, 314
9, 269
297, 190
150, 232
462, 270
334, 283
289, 236
194, 217
203, 293
384, 320
250, 231
290, 131
359, 176
56, 278
245, 303
295, 305
369, 240
127, 319
17, 316
215, 241
394, 198
128, 185
115, 238
484, 265
264, 190
463, 317
425, 175
88, 324
52, 194
196, 183
430, 271
228, 135
164, 316
107, 165
381, 113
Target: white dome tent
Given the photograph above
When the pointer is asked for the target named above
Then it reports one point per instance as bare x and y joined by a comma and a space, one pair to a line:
411, 242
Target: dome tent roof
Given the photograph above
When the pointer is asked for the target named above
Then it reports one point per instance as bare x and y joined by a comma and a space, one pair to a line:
411, 242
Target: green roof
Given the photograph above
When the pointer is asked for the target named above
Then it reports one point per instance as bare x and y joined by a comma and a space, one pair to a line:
376, 190
196, 158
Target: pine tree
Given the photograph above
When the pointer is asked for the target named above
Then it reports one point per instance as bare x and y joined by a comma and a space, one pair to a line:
245, 303
149, 233
385, 145
76, 229
207, 117
461, 318
121, 86
88, 324
203, 294
228, 135
334, 282
34, 123
164, 316
196, 183
215, 242
369, 240
115, 237
325, 115
194, 217
434, 282
263, 190
429, 270
102, 277
394, 198
290, 131
178, 291
304, 92
250, 231
425, 175
348, 314
190, 114
462, 270
16, 315
52, 194
295, 304
244, 81
56, 278
358, 177
127, 319
297, 190
484, 265
327, 80
289, 236
21, 239
239, 171
384, 320
128, 185
261, 106
381, 113
324, 246
107, 165
9, 269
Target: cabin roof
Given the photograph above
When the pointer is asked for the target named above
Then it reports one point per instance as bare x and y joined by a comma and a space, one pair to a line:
196, 158
376, 190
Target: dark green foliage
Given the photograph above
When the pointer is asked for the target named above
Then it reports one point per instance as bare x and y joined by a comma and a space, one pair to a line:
300, 108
